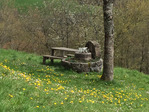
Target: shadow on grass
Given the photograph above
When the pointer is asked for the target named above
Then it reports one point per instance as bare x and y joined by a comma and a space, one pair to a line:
58, 67
106, 84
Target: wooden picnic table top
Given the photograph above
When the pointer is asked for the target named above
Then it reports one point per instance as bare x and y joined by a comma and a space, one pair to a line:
64, 49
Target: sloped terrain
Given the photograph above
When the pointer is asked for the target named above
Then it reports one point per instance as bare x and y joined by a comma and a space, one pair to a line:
27, 85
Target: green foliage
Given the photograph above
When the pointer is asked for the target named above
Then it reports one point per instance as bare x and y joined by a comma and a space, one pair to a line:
27, 85
131, 34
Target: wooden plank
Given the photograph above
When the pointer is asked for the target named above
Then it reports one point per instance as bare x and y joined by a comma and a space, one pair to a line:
52, 57
64, 49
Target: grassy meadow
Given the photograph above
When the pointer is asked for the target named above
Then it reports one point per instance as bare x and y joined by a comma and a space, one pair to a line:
28, 86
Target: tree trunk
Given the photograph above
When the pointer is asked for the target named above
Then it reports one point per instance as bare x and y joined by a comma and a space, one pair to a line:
108, 64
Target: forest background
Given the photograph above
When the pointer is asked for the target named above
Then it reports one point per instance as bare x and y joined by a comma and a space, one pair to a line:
35, 26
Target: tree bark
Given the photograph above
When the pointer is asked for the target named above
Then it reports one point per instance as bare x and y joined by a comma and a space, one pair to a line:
108, 64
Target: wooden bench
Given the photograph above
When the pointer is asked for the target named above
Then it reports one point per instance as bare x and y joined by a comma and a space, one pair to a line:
45, 57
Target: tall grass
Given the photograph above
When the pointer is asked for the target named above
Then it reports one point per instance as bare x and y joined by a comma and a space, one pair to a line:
27, 85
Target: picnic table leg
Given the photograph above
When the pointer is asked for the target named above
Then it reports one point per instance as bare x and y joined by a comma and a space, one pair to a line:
52, 54
44, 60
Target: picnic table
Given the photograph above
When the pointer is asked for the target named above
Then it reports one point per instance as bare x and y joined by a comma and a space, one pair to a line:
62, 49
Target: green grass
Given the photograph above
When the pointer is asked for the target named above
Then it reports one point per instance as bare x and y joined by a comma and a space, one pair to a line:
27, 85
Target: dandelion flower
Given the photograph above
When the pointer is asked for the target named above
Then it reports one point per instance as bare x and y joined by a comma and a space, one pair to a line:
119, 101
72, 91
80, 101
71, 101
11, 95
93, 101
38, 84
141, 105
31, 98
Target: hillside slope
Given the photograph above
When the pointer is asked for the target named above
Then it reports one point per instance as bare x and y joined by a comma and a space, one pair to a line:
27, 85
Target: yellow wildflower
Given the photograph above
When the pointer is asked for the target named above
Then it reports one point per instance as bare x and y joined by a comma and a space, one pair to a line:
11, 95
119, 101
31, 98
62, 103
93, 101
38, 84
80, 101
71, 101
72, 91
141, 105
